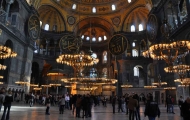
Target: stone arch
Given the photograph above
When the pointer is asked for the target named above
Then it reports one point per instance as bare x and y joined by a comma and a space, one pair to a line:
14, 7
133, 13
96, 22
52, 16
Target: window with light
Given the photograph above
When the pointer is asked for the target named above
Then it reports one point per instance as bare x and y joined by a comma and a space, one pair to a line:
46, 27
94, 39
132, 28
74, 6
136, 71
113, 7
133, 44
94, 10
140, 27
134, 53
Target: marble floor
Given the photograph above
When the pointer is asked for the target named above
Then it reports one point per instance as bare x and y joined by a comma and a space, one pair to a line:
21, 111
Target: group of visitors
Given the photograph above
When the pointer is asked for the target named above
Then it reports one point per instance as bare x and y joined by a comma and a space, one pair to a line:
130, 105
82, 104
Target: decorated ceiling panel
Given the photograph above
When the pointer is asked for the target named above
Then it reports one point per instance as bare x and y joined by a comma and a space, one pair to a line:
102, 6
60, 13
50, 15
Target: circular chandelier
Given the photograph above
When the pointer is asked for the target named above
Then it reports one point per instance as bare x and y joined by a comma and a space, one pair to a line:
87, 88
2, 67
93, 81
167, 50
22, 81
169, 88
55, 84
6, 52
150, 86
46, 86
177, 69
75, 60
126, 86
37, 88
186, 81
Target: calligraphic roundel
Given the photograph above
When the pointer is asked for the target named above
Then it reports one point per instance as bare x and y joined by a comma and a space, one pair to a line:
152, 28
34, 27
117, 44
69, 43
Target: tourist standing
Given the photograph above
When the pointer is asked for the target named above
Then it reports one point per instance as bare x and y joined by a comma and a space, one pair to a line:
47, 103
151, 109
2, 98
7, 105
186, 109
61, 105
113, 103
180, 102
133, 103
78, 105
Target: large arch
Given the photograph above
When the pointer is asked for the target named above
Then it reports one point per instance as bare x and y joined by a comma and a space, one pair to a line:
52, 16
96, 22
135, 16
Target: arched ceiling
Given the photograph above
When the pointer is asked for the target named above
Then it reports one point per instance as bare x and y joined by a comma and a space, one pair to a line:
137, 16
102, 6
60, 13
50, 15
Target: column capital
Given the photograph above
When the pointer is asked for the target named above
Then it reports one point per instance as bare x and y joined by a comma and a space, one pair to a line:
10, 1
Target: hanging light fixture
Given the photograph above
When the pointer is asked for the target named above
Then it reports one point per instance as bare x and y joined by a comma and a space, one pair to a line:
22, 81
6, 52
2, 67
167, 50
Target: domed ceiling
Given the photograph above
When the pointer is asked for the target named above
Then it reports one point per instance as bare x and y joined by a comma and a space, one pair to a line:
50, 15
105, 20
102, 6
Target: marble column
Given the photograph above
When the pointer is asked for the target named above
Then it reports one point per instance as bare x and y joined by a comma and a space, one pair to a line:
9, 2
47, 45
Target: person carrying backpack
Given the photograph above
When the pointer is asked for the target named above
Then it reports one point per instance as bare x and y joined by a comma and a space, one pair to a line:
151, 109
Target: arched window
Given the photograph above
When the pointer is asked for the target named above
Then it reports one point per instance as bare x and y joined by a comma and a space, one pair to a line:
74, 6
136, 71
105, 37
132, 28
93, 10
140, 27
99, 39
104, 57
133, 44
46, 27
129, 1
135, 53
94, 39
113, 7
